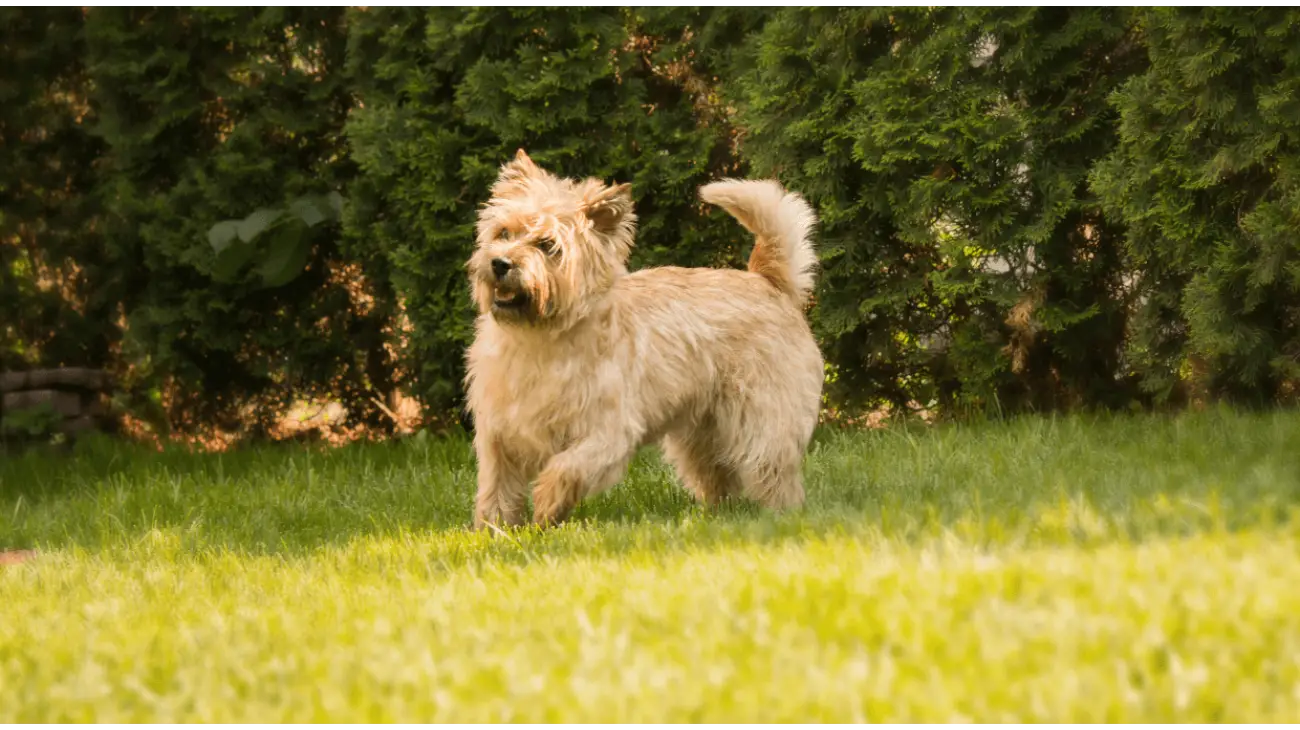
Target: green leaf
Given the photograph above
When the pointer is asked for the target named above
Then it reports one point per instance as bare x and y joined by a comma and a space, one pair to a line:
230, 260
257, 222
222, 234
311, 210
286, 259
335, 201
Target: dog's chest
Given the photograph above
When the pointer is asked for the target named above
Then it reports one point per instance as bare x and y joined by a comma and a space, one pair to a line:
541, 400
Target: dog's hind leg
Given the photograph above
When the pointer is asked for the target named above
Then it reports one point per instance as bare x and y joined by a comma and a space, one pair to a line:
766, 439
696, 455
775, 486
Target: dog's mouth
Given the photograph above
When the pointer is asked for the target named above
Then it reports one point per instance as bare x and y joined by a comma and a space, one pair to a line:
509, 301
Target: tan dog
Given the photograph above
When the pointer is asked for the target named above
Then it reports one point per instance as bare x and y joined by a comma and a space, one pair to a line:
577, 363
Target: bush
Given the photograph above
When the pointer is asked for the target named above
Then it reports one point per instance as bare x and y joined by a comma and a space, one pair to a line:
54, 309
947, 150
1022, 208
1207, 179
210, 114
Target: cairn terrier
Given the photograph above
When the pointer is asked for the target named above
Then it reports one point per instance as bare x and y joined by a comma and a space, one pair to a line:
577, 363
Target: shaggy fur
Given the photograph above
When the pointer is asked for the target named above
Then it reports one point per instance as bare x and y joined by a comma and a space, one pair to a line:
577, 363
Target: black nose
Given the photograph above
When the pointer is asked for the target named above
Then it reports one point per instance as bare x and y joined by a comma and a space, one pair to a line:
501, 267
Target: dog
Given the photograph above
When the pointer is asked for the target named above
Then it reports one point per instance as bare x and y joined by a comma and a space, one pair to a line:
577, 363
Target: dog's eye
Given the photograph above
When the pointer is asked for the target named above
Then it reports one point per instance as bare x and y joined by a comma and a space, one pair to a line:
548, 247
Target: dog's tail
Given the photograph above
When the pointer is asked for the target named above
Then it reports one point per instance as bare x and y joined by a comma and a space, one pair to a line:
781, 223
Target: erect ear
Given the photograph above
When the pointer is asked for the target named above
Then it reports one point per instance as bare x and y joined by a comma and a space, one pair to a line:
516, 171
608, 206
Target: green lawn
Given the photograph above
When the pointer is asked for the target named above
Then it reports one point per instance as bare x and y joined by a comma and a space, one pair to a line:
1086, 569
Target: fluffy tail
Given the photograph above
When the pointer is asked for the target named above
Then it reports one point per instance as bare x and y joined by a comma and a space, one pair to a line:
781, 222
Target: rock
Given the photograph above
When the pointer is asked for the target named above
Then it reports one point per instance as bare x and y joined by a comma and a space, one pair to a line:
75, 378
64, 403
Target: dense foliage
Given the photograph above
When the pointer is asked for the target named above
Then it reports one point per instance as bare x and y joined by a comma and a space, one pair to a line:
1022, 208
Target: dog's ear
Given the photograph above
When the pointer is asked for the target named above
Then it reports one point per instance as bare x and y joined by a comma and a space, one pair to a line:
608, 206
515, 171
521, 166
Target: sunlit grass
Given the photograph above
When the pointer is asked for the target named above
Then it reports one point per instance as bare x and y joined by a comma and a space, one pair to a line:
1104, 569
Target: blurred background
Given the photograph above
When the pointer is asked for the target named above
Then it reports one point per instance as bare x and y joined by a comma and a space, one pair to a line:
255, 221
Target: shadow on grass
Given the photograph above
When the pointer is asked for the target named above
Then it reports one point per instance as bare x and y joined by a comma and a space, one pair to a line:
1029, 481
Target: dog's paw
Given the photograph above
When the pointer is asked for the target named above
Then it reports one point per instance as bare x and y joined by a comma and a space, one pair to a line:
551, 514
553, 499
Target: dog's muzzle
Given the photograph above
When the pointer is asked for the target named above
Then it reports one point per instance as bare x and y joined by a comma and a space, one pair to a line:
507, 295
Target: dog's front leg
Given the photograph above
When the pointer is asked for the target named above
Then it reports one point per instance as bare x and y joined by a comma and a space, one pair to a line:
502, 483
580, 470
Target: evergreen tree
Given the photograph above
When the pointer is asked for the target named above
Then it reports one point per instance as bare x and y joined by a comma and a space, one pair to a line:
1207, 178
211, 114
947, 151
53, 309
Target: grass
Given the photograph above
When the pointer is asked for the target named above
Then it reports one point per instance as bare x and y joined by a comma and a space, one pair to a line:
1045, 569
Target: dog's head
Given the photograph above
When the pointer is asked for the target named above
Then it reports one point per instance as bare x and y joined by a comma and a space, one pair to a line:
548, 247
